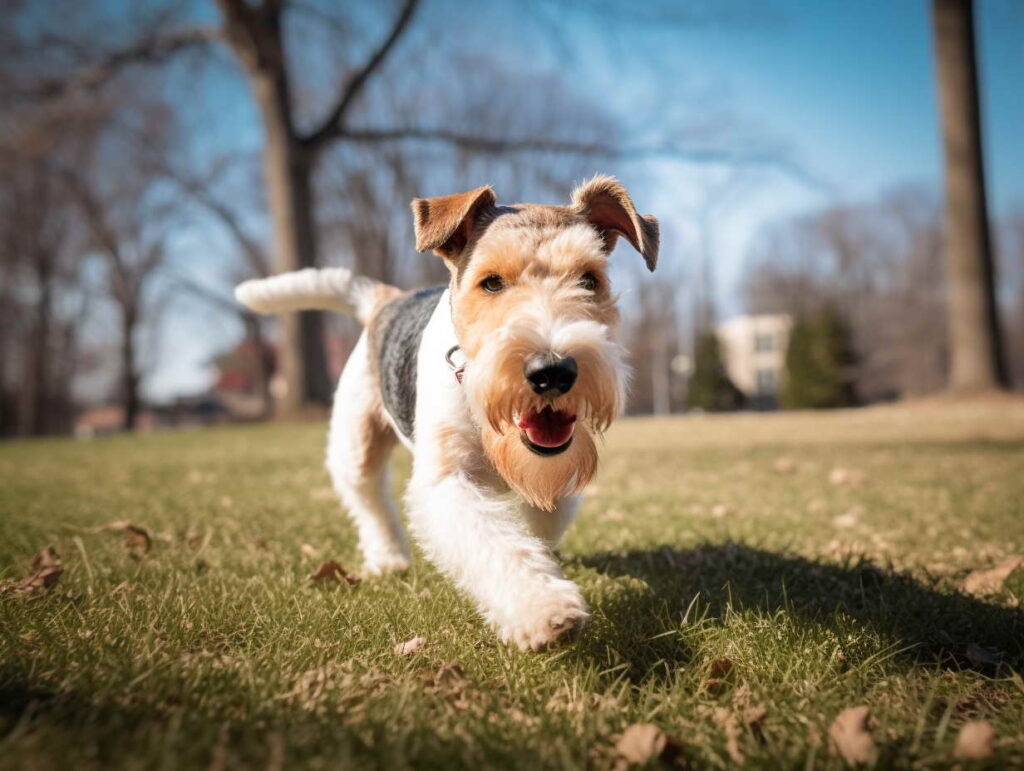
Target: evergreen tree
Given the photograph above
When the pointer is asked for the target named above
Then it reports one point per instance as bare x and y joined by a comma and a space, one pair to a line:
710, 387
819, 363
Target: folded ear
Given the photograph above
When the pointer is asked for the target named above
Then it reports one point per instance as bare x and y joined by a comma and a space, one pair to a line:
445, 224
608, 207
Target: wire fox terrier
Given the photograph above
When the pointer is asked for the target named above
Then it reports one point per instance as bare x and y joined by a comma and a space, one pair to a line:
497, 383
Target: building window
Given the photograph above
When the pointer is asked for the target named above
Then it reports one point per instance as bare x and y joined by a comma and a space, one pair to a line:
763, 343
767, 381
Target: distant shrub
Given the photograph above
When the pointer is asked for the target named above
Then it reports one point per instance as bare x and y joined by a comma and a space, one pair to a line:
819, 363
710, 387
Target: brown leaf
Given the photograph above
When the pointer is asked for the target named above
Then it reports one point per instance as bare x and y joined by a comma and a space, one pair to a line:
754, 717
136, 539
976, 741
46, 571
717, 672
726, 718
410, 647
641, 742
847, 477
784, 465
720, 668
981, 583
308, 550
851, 736
193, 538
331, 571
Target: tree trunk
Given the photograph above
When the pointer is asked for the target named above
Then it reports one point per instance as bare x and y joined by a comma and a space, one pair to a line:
254, 332
287, 168
302, 364
977, 362
41, 352
129, 377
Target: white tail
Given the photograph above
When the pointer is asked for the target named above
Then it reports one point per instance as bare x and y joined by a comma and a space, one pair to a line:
328, 289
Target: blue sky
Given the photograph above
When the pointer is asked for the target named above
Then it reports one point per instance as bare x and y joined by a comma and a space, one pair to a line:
847, 88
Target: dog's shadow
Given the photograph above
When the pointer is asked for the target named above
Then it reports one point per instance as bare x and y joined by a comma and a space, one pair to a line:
636, 626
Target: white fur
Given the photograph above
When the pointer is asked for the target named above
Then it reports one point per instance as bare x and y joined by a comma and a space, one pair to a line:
492, 544
364, 492
329, 289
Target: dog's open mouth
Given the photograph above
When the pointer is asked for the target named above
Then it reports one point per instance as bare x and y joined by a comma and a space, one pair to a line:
547, 432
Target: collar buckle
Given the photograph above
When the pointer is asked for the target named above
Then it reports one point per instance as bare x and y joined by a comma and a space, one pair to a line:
457, 370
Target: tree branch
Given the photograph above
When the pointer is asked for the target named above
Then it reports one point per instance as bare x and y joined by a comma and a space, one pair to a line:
486, 144
150, 49
331, 125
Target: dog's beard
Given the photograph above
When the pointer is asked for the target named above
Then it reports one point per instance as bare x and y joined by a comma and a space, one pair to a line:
542, 479
499, 397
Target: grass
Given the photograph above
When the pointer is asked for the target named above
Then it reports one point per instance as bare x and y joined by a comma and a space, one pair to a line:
725, 570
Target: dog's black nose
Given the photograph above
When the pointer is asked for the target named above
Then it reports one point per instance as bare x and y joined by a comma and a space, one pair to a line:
548, 371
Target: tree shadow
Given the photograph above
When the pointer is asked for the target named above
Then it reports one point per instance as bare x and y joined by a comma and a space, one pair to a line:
928, 625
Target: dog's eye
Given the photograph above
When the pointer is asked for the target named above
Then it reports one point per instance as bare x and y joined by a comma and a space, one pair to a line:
492, 284
589, 282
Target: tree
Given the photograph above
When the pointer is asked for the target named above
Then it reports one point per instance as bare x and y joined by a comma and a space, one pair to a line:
819, 363
128, 219
977, 361
879, 265
710, 388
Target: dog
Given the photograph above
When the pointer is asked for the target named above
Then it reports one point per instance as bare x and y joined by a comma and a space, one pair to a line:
499, 384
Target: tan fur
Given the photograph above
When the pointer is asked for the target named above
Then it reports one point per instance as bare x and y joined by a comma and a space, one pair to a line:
376, 439
542, 481
444, 223
606, 205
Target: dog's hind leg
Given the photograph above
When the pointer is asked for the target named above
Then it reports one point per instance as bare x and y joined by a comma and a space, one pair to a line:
358, 450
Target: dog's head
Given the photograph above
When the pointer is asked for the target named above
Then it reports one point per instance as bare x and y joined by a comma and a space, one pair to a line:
534, 315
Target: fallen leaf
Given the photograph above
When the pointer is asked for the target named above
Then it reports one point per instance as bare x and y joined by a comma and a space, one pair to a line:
785, 465
847, 520
308, 550
851, 736
641, 743
846, 477
719, 669
194, 539
754, 717
731, 727
136, 539
975, 741
332, 571
981, 583
410, 647
979, 654
46, 571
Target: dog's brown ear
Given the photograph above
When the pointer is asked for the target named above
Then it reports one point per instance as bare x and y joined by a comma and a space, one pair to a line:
445, 224
608, 207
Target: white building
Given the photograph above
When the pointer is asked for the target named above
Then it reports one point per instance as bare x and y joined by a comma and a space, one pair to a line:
754, 350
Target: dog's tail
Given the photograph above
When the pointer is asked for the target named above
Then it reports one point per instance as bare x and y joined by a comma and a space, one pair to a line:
328, 289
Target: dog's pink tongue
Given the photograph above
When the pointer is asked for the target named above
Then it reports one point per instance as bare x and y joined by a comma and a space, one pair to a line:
548, 428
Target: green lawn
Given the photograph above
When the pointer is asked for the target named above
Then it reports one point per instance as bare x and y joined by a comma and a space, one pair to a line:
742, 599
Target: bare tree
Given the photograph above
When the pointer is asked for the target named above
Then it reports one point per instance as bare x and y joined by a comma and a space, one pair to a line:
879, 265
127, 227
977, 362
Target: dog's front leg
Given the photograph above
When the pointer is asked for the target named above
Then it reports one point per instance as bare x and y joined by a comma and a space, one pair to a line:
484, 542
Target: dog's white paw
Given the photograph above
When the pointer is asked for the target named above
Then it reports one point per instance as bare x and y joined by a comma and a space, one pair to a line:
545, 618
385, 563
